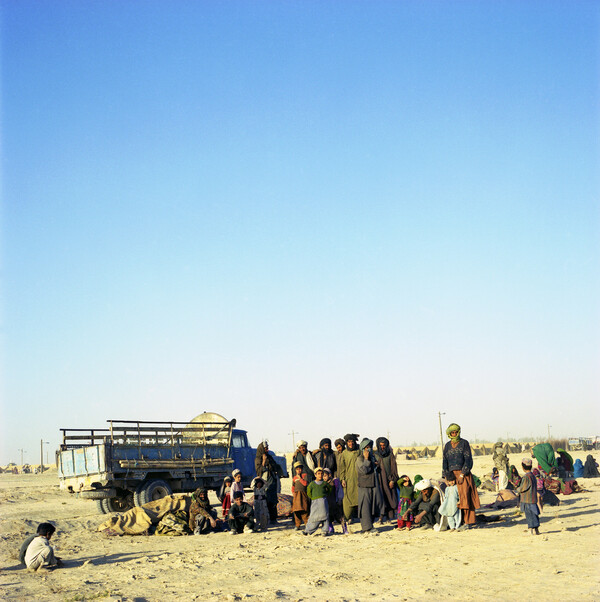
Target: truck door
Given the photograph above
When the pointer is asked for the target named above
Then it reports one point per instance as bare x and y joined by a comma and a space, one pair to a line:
243, 456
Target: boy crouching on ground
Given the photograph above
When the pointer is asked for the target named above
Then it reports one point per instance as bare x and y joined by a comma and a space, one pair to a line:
241, 515
39, 553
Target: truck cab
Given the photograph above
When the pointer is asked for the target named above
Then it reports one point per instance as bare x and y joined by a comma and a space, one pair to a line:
244, 456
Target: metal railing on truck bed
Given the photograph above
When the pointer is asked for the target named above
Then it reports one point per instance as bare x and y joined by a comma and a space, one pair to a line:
141, 433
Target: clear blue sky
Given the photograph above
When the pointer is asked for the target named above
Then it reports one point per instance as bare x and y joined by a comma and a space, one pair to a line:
318, 216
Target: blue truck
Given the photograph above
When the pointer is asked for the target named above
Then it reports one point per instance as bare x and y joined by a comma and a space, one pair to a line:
131, 463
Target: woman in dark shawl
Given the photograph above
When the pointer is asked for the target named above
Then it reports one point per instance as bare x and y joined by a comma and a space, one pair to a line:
324, 456
269, 471
565, 463
459, 460
515, 477
387, 475
590, 468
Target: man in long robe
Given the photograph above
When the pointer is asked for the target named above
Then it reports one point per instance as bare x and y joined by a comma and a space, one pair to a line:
388, 477
348, 475
367, 483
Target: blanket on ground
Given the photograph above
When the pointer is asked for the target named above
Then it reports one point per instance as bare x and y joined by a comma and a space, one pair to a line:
137, 520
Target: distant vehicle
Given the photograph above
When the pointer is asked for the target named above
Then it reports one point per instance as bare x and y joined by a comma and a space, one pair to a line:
135, 462
577, 443
592, 442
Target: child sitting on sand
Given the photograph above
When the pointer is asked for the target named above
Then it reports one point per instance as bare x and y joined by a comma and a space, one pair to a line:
261, 510
406, 493
449, 506
39, 553
241, 515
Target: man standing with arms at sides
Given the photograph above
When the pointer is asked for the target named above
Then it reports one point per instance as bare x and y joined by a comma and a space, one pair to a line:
348, 475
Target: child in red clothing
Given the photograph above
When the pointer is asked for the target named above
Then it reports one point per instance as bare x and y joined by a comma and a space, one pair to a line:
225, 496
300, 503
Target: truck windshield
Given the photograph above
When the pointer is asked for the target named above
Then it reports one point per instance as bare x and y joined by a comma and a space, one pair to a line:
238, 440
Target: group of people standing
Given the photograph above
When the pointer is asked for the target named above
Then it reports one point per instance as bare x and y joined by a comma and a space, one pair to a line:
363, 482
336, 484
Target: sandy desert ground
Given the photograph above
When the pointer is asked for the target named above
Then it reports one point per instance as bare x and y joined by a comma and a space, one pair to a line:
498, 561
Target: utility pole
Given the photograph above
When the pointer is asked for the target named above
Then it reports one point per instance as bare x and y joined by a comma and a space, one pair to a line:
293, 433
42, 454
549, 431
440, 414
22, 452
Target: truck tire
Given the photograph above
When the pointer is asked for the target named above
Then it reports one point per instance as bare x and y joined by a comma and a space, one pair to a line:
98, 494
117, 504
100, 506
154, 490
137, 495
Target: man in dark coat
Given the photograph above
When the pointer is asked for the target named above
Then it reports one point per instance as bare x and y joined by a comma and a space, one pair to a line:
366, 481
348, 475
324, 456
388, 477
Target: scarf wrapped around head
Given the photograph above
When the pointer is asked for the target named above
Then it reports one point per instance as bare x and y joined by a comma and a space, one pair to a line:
453, 427
386, 451
200, 496
352, 436
325, 440
340, 442
417, 478
366, 442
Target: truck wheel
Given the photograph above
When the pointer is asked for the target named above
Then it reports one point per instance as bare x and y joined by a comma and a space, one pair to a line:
137, 495
154, 490
117, 504
100, 507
